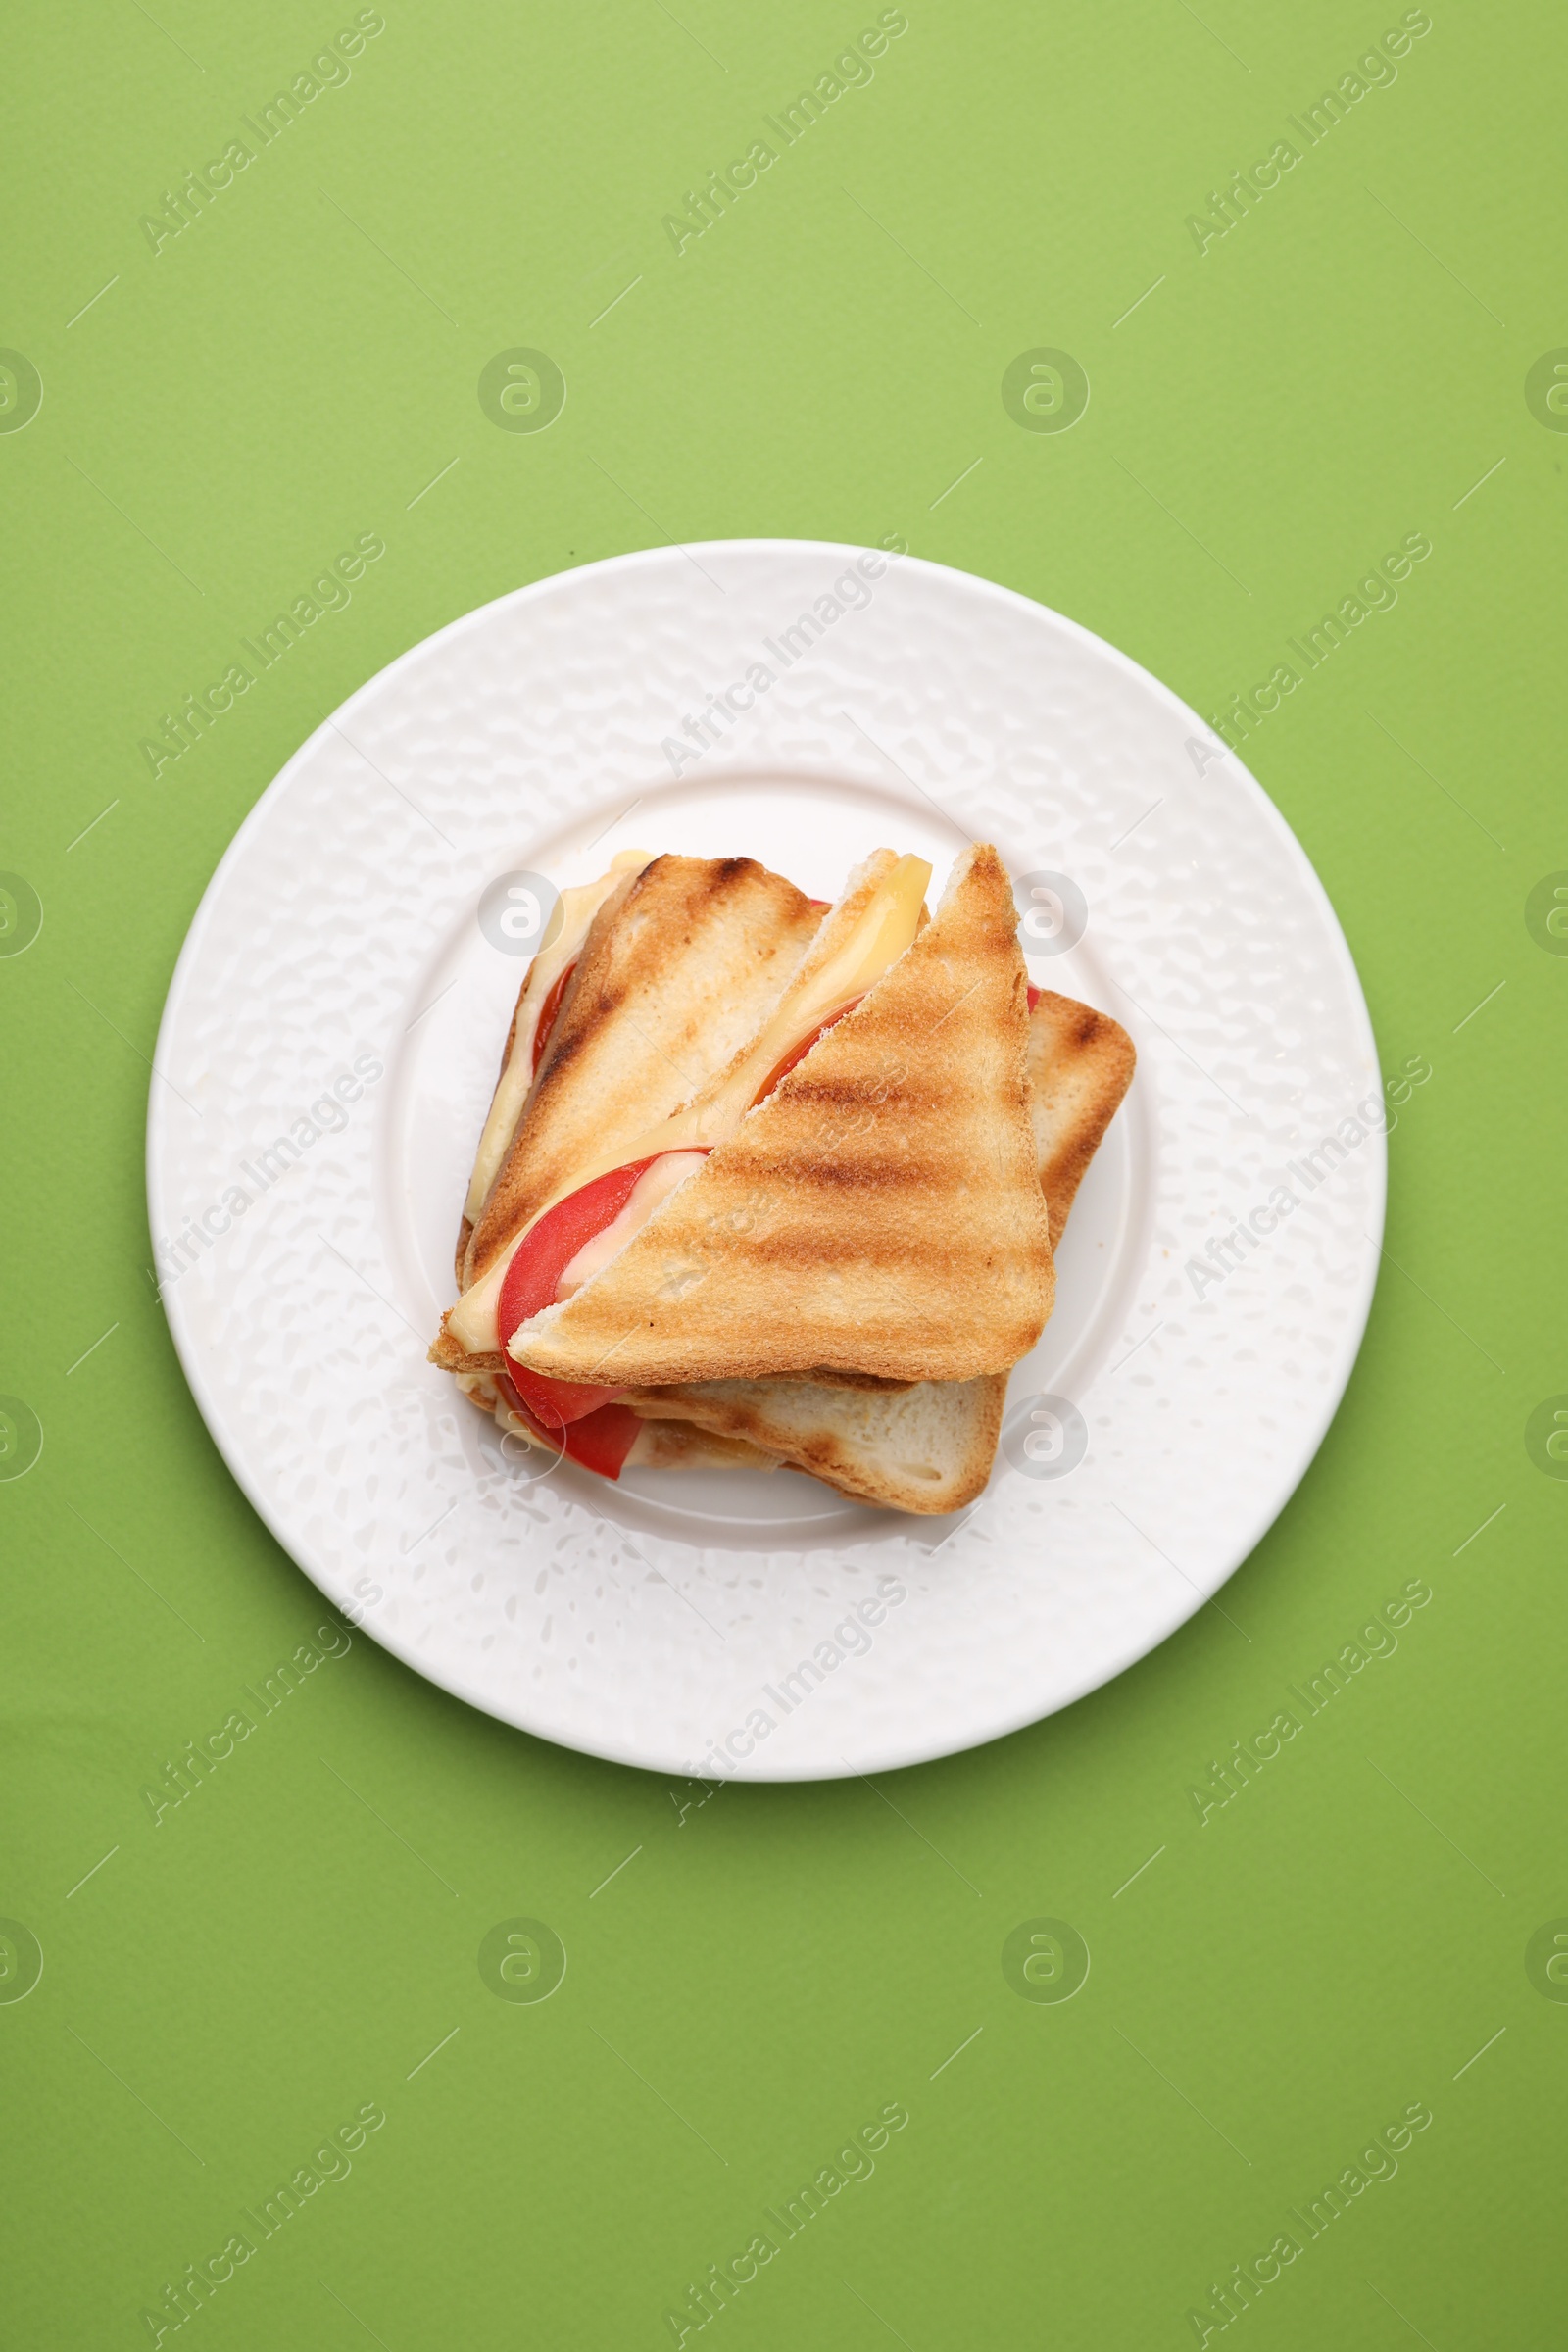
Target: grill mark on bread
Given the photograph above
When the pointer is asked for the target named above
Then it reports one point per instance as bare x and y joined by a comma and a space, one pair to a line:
798, 1248
560, 1052
832, 1177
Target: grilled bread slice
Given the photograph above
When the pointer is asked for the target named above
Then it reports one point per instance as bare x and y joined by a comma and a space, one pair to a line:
929, 1449
682, 963
1080, 1065
879, 1212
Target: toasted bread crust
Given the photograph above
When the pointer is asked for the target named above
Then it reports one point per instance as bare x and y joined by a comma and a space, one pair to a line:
1080, 1065
879, 1213
679, 967
466, 1226
452, 1356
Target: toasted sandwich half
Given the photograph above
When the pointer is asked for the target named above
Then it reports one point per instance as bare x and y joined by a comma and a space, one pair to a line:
875, 1209
678, 961
922, 1446
928, 1448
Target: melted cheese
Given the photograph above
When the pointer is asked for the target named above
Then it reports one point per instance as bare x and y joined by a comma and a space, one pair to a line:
483, 1387
651, 1189
472, 1321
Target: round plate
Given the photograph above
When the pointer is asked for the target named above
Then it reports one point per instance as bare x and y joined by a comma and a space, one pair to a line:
332, 1039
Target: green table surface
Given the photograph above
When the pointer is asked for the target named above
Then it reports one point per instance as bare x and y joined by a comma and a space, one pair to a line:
1358, 344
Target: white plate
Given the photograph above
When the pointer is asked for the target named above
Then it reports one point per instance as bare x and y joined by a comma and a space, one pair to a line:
664, 1622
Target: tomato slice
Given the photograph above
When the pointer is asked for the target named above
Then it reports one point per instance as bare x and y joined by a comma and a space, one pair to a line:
546, 1015
600, 1441
556, 1403
540, 1260
1032, 994
798, 1052
533, 1277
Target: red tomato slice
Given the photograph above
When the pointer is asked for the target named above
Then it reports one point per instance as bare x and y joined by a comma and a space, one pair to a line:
823, 903
546, 1015
798, 1053
556, 1403
534, 1274
1032, 994
600, 1441
541, 1259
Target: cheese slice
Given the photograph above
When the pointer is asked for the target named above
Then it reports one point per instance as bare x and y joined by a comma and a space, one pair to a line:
577, 911
651, 1191
873, 943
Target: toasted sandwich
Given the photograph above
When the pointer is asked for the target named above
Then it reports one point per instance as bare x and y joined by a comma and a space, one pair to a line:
837, 1149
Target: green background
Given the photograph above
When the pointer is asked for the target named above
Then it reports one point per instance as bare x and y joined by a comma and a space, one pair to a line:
1345, 366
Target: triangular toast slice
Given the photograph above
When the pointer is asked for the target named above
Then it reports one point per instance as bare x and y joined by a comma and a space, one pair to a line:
879, 1212
680, 966
928, 1449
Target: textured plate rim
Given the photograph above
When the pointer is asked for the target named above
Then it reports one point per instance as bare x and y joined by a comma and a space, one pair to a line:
1313, 1432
